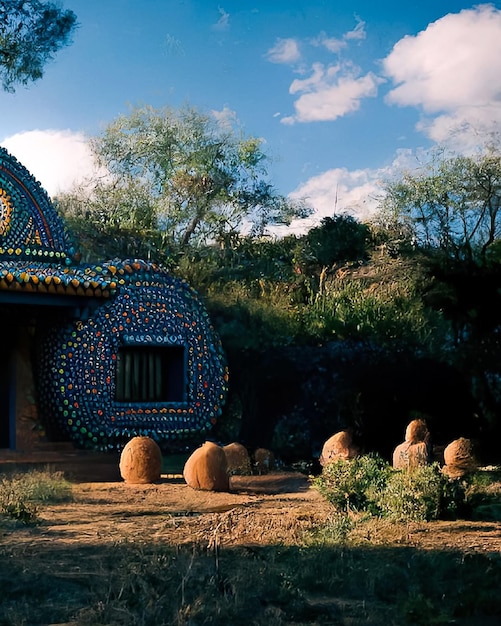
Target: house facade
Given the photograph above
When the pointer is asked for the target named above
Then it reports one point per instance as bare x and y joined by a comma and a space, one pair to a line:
95, 354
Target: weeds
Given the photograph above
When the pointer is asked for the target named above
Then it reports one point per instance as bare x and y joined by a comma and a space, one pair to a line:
370, 484
331, 580
21, 495
418, 495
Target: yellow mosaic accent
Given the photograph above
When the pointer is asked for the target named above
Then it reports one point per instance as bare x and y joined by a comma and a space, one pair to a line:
5, 212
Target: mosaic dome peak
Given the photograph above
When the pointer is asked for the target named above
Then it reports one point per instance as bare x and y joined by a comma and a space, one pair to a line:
30, 226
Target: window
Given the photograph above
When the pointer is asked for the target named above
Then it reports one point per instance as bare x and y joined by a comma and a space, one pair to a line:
151, 374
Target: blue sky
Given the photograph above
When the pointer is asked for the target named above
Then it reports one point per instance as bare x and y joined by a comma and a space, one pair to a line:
344, 94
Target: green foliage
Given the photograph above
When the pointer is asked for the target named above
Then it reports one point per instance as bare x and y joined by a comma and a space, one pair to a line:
257, 315
338, 239
450, 210
237, 258
180, 173
483, 494
355, 484
255, 294
452, 205
381, 304
31, 32
422, 494
22, 494
369, 484
12, 505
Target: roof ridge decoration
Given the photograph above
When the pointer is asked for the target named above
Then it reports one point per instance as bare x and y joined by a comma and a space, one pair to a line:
30, 226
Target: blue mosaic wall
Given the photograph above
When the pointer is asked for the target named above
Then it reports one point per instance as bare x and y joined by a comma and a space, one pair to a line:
78, 364
129, 303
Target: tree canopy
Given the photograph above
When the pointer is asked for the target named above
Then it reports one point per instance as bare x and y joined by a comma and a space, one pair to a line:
338, 239
31, 32
453, 206
181, 174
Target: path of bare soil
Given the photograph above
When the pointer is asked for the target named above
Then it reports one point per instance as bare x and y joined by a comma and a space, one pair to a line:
277, 508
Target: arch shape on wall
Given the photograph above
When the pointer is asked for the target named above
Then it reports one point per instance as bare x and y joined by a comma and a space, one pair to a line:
78, 365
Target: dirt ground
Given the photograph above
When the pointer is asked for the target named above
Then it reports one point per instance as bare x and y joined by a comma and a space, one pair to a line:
278, 508
68, 549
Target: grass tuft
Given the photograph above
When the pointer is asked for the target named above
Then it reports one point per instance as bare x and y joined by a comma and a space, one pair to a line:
21, 495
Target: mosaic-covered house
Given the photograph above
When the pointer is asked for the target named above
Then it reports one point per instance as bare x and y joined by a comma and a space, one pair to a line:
95, 354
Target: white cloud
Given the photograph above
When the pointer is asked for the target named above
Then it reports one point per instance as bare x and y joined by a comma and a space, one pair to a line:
315, 81
226, 118
336, 191
57, 158
223, 22
332, 44
352, 192
451, 71
358, 32
340, 190
466, 129
330, 93
284, 51
332, 90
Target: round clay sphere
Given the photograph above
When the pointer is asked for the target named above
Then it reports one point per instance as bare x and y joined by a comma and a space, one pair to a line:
238, 459
141, 461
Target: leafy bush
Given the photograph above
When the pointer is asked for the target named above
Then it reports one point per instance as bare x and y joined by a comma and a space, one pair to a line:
368, 483
422, 494
354, 484
13, 506
338, 239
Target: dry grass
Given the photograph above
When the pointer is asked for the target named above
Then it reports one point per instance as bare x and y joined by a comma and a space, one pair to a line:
261, 555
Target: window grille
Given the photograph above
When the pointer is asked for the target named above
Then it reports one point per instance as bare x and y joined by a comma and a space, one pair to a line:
151, 374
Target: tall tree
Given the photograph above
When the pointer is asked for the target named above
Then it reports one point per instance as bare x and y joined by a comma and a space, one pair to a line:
453, 212
453, 207
180, 173
31, 32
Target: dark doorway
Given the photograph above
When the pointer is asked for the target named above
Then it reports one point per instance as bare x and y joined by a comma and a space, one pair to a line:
7, 394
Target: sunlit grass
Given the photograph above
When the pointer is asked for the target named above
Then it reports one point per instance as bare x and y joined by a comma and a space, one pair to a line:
22, 494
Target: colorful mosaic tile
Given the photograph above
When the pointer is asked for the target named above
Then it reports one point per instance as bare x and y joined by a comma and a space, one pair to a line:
150, 309
30, 227
136, 306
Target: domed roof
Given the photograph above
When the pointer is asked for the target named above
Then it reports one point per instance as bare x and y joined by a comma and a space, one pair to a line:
30, 227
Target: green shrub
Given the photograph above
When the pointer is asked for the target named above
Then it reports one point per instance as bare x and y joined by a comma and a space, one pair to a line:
354, 484
483, 494
422, 494
22, 494
368, 483
13, 506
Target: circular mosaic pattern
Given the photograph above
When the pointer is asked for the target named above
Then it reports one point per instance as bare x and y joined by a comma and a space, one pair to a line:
5, 212
77, 365
29, 223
